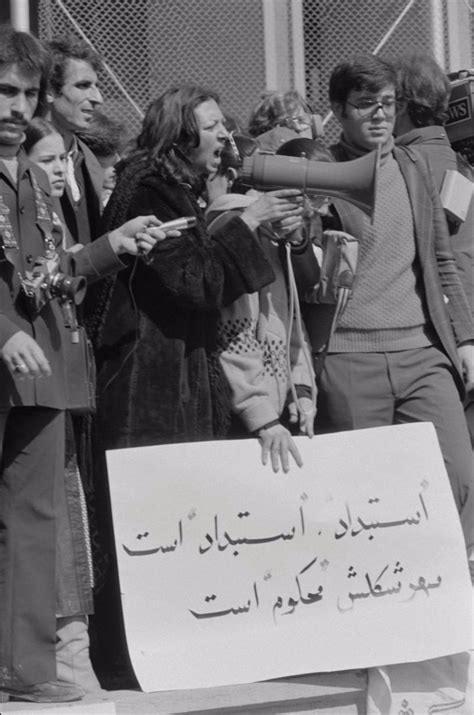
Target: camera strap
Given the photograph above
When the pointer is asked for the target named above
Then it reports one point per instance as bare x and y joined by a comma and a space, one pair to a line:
43, 219
44, 222
7, 237
294, 315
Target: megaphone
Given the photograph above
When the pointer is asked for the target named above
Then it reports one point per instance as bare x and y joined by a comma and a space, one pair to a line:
354, 181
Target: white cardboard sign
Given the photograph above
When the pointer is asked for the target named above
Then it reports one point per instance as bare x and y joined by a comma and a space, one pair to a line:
230, 573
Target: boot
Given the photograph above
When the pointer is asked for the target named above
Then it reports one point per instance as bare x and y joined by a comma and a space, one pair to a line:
50, 692
72, 653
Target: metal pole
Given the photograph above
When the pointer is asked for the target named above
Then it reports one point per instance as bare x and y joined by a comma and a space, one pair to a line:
459, 40
297, 43
20, 15
271, 54
278, 60
387, 36
437, 25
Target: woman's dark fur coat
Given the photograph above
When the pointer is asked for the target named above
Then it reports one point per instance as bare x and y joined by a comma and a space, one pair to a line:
159, 379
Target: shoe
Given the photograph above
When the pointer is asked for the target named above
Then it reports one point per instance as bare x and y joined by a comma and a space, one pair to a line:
50, 692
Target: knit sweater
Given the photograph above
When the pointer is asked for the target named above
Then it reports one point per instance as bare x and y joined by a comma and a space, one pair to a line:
253, 336
386, 311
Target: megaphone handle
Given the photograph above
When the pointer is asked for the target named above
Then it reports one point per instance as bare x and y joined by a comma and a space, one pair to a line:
295, 313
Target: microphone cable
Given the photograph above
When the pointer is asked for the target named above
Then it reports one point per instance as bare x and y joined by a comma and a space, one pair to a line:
294, 316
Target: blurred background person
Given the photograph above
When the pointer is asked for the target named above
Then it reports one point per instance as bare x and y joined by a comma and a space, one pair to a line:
262, 356
107, 138
280, 116
281, 109
424, 92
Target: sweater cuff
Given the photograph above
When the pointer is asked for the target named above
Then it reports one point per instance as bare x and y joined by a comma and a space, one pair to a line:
256, 413
273, 423
303, 391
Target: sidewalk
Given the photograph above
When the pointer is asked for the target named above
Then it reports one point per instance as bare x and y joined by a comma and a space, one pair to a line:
323, 694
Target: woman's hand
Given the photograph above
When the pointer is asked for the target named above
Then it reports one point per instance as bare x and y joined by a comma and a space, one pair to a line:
288, 226
275, 206
466, 357
277, 442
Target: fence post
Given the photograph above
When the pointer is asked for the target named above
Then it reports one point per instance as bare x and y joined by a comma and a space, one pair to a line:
460, 22
20, 15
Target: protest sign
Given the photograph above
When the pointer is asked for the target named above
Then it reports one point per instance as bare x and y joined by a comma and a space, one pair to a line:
230, 573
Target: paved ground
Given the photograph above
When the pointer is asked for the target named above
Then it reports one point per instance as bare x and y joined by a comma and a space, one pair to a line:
323, 694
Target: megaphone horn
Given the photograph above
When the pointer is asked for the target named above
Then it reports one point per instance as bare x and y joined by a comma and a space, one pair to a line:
354, 181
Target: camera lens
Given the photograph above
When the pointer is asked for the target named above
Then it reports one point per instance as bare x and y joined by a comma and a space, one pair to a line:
69, 287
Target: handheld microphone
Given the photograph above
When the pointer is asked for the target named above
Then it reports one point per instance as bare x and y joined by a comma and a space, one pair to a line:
176, 224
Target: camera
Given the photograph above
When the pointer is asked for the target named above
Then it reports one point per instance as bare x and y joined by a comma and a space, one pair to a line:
45, 282
460, 124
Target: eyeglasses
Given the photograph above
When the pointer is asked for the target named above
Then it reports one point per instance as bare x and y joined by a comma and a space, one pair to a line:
298, 123
367, 107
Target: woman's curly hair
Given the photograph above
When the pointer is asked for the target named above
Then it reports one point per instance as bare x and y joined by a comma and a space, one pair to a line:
274, 110
169, 131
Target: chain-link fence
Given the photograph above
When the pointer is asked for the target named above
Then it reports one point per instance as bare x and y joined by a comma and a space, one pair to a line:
335, 28
150, 45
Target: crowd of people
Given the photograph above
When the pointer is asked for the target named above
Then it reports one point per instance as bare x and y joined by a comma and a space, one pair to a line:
195, 333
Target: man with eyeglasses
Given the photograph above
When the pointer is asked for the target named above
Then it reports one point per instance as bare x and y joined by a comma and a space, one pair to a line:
403, 349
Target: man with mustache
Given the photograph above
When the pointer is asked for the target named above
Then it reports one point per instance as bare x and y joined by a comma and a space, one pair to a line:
33, 389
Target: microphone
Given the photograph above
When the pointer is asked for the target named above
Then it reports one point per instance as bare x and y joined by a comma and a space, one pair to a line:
176, 224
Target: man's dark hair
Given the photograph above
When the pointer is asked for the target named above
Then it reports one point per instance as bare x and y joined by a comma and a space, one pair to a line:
24, 50
105, 135
425, 88
67, 47
359, 72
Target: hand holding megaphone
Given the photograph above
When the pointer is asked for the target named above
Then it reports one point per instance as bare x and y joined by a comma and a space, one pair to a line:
282, 208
